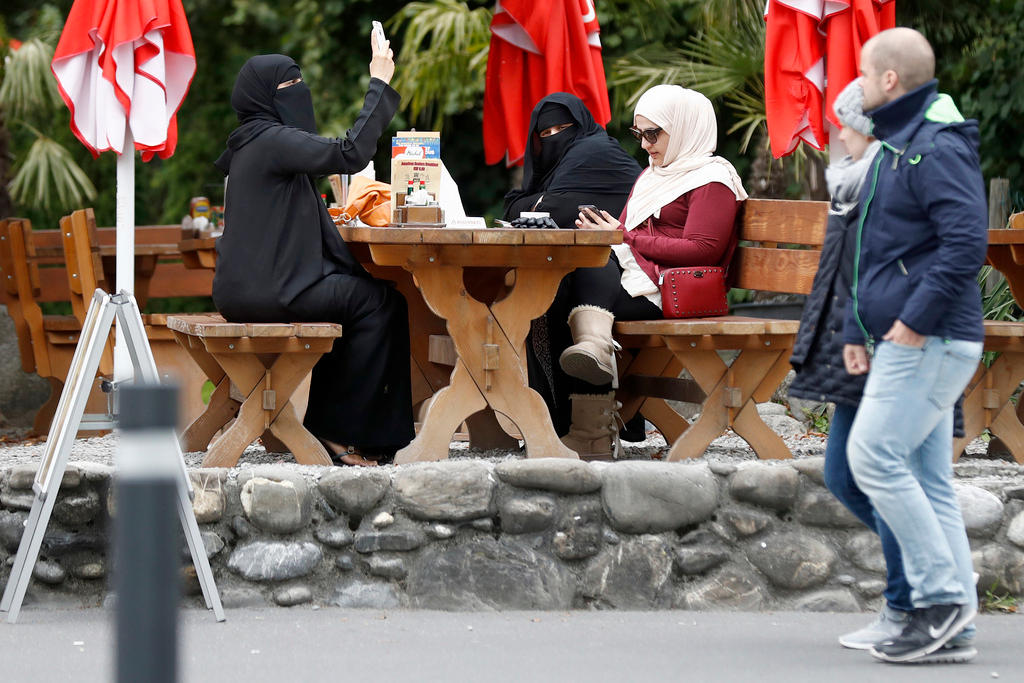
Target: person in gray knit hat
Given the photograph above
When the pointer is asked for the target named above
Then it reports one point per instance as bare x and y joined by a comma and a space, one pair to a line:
817, 358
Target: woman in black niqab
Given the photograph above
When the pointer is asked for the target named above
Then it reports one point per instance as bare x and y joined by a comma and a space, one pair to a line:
281, 258
580, 164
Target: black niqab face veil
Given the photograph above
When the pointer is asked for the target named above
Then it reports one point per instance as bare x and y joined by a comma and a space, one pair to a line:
259, 103
549, 150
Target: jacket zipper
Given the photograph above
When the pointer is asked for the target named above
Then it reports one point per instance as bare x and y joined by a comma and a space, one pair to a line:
870, 341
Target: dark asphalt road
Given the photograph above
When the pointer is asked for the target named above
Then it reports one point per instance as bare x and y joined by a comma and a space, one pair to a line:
330, 644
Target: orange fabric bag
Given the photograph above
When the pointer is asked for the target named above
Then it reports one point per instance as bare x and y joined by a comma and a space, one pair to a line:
369, 201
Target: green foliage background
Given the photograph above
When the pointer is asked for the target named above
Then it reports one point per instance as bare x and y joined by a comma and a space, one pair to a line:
980, 48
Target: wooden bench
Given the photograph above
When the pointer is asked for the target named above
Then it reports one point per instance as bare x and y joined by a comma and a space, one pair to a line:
83, 264
256, 368
46, 343
35, 274
779, 251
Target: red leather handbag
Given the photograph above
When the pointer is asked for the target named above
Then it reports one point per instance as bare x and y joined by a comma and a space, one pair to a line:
693, 292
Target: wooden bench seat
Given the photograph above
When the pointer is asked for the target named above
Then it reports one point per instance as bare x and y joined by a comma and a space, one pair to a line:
255, 368
779, 251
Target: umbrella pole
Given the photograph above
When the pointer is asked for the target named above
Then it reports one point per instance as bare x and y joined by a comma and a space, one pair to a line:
125, 246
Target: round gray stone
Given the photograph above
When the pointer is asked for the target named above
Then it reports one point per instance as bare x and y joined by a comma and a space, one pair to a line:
865, 551
871, 588
550, 474
78, 507
632, 575
691, 560
489, 574
335, 534
1015, 534
58, 543
650, 497
241, 597
812, 467
208, 502
722, 469
22, 477
745, 522
983, 512
732, 588
1000, 569
773, 486
278, 507
90, 571
345, 562
835, 600
293, 595
48, 572
484, 524
402, 537
212, 543
818, 507
361, 594
274, 560
387, 567
784, 425
17, 500
12, 524
383, 519
355, 490
441, 531
792, 560
523, 514
452, 490
770, 408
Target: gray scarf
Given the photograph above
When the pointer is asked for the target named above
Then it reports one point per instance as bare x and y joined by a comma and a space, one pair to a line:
846, 177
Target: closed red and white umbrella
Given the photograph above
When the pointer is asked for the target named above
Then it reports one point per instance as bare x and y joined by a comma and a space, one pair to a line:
123, 68
812, 51
538, 48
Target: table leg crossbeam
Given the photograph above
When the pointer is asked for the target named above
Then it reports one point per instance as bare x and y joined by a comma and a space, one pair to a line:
490, 341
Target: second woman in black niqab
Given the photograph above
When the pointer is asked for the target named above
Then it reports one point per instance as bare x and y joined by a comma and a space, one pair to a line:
281, 258
580, 164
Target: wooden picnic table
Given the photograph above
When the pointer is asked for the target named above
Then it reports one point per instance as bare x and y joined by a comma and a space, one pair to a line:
463, 278
993, 387
146, 258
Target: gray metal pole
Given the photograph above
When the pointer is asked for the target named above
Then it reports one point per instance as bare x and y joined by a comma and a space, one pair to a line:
146, 558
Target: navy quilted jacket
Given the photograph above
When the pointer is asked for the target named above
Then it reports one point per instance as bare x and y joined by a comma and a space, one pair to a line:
923, 229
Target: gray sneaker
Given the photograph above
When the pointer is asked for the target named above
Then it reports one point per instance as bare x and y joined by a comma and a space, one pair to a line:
887, 625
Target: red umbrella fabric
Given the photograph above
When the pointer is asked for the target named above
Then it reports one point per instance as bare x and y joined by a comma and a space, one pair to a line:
125, 63
847, 28
812, 51
537, 49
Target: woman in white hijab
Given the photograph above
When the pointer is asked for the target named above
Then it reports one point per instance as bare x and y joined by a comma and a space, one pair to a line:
681, 212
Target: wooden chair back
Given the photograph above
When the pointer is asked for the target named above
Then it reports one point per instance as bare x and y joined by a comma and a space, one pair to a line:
84, 268
21, 293
780, 244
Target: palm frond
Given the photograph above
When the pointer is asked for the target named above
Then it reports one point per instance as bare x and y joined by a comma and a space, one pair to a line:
48, 176
29, 86
443, 61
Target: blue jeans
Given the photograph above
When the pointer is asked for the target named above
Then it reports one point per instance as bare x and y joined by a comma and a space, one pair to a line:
839, 481
901, 456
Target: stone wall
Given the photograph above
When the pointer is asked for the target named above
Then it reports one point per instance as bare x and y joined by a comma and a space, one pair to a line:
519, 534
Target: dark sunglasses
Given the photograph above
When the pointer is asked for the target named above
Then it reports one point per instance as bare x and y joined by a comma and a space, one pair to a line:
651, 134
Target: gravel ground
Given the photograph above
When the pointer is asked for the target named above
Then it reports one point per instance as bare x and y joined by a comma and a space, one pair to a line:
16, 450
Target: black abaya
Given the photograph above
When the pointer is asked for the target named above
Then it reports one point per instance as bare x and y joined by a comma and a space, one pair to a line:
281, 258
592, 169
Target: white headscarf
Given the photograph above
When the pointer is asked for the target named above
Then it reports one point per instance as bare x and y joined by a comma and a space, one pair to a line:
689, 119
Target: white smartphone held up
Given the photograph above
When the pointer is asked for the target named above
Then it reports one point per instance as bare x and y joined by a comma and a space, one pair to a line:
378, 34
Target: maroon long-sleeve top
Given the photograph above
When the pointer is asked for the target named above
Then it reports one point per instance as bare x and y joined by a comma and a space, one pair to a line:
696, 229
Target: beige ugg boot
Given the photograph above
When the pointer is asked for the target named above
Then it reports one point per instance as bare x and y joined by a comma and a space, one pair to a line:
594, 433
591, 358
